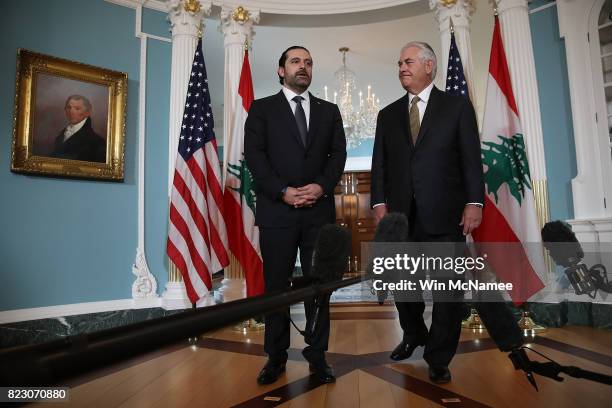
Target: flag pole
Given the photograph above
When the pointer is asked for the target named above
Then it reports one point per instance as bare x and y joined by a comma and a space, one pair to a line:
473, 321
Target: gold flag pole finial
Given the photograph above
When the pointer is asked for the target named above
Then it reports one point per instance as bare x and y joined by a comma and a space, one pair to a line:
246, 44
452, 26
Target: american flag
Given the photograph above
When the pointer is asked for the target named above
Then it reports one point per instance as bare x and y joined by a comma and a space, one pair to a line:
455, 80
197, 238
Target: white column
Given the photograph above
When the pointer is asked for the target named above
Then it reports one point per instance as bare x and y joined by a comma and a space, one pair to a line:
516, 34
237, 28
186, 23
461, 13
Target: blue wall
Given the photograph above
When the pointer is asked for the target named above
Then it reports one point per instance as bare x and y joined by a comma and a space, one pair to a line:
67, 241
557, 126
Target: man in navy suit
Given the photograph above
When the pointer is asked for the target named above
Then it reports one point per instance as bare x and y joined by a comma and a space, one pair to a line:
295, 148
426, 164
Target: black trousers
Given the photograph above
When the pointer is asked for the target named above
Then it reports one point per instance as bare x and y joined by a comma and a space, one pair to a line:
442, 338
279, 251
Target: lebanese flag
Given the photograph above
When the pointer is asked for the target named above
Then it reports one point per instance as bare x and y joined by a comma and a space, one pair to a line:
509, 214
239, 194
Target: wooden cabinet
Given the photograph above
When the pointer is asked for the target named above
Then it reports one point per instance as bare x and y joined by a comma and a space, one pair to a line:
353, 211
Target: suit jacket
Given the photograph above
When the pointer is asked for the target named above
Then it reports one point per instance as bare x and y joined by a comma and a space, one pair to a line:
442, 171
277, 158
83, 145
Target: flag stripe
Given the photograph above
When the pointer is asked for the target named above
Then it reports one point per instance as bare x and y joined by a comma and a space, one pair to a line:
179, 262
242, 248
188, 191
509, 262
196, 223
245, 86
184, 262
498, 67
181, 227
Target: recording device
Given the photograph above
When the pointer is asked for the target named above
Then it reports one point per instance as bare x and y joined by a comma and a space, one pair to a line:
551, 369
331, 249
565, 250
393, 227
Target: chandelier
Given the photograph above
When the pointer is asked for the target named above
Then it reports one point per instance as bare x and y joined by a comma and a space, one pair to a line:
360, 123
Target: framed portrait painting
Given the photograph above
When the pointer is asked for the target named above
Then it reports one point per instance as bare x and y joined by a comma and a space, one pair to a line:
69, 118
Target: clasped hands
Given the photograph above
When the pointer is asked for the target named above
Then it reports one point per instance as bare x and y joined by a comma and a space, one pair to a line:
304, 196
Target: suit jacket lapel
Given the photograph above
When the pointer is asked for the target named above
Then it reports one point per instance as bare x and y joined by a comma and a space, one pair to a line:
287, 116
405, 119
315, 116
431, 112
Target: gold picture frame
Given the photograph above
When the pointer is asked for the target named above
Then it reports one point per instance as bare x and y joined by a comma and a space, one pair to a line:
69, 118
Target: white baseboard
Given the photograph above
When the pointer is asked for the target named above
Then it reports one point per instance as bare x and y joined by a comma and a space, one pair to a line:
49, 312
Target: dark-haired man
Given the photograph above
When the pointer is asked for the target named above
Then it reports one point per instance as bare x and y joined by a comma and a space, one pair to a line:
296, 150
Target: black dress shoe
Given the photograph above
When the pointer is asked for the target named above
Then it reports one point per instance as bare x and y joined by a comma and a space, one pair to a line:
439, 375
270, 372
403, 350
323, 372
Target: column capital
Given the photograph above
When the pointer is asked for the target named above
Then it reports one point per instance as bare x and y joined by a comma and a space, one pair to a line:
460, 10
186, 16
237, 24
506, 5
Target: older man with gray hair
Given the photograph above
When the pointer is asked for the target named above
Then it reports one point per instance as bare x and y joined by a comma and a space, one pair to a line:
426, 164
78, 141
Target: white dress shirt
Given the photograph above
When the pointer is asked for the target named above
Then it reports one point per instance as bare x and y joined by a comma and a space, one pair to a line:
289, 94
72, 129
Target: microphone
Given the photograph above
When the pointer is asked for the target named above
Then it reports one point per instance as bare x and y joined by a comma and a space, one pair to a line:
565, 250
552, 369
393, 227
332, 247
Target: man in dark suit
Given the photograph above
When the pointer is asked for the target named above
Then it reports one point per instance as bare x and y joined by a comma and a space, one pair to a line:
426, 164
295, 148
78, 141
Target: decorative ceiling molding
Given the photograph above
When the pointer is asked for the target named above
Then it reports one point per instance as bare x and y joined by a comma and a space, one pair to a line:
159, 5
293, 7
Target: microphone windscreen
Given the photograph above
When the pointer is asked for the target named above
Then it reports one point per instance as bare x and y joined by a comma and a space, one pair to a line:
556, 232
332, 248
393, 227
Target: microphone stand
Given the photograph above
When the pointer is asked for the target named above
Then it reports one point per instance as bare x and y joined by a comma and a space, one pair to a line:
552, 369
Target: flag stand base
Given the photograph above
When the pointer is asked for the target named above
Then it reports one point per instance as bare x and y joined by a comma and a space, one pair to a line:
473, 321
528, 326
249, 326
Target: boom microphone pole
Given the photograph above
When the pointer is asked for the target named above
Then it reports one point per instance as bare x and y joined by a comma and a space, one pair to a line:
331, 249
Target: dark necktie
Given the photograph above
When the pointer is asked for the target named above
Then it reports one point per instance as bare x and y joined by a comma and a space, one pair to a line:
300, 118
